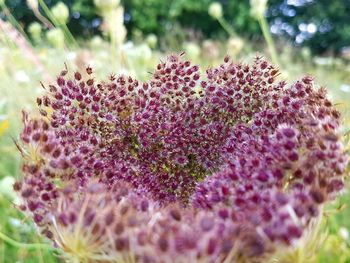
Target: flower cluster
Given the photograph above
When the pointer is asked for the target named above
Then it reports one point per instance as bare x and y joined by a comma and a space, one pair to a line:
227, 167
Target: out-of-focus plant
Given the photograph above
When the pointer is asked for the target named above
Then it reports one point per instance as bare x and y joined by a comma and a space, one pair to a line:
113, 21
24, 246
59, 20
234, 43
193, 50
158, 16
96, 41
34, 6
6, 188
106, 6
307, 248
55, 37
314, 24
35, 31
61, 13
11, 19
113, 26
12, 35
210, 50
147, 15
83, 57
152, 40
234, 46
215, 11
345, 53
306, 54
344, 234
258, 9
335, 249
329, 25
137, 56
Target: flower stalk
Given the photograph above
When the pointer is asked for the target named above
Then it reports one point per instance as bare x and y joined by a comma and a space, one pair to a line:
58, 24
258, 9
28, 246
268, 38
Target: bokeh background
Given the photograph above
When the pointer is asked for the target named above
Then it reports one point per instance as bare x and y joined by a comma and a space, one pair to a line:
38, 38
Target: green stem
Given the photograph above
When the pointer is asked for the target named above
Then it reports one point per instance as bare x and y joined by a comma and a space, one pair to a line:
17, 244
13, 20
7, 41
226, 26
64, 27
268, 38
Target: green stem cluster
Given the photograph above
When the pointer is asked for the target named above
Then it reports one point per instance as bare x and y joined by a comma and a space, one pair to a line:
27, 246
227, 27
12, 19
71, 40
268, 38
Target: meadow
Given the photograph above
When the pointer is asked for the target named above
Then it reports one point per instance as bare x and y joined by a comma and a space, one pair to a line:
27, 66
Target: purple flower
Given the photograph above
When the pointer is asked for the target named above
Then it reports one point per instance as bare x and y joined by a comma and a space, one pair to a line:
228, 166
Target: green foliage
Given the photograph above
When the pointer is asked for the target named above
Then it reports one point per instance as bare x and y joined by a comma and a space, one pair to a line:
23, 231
158, 16
330, 17
161, 16
166, 18
82, 14
150, 16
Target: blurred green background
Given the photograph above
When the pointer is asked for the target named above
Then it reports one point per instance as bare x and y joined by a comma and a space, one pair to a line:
38, 36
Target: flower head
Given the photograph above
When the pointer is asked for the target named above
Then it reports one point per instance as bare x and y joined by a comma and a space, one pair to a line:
258, 8
225, 167
106, 5
215, 10
60, 12
55, 37
35, 30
